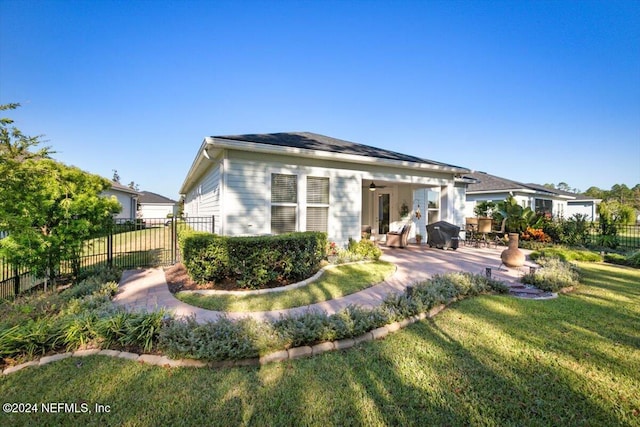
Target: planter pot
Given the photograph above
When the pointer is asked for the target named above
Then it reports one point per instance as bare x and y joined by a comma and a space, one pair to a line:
513, 256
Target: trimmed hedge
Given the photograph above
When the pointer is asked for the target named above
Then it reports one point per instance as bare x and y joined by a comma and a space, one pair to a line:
632, 260
252, 261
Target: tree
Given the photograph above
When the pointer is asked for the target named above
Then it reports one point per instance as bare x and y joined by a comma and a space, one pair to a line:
595, 192
116, 176
48, 209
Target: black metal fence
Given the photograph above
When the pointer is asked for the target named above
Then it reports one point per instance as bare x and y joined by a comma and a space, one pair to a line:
625, 237
126, 244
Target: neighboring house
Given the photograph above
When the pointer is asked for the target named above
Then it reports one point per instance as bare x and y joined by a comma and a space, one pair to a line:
556, 203
282, 182
155, 206
583, 205
128, 199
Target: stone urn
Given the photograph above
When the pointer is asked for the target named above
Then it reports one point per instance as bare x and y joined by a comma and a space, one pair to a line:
513, 256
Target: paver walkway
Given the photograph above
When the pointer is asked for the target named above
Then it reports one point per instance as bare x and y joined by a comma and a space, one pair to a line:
147, 290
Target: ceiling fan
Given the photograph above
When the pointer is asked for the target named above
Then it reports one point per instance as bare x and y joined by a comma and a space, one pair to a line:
374, 187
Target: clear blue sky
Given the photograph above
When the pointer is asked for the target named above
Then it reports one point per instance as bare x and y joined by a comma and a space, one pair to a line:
535, 91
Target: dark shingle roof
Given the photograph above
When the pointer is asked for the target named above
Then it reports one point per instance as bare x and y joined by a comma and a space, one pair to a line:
125, 189
314, 141
487, 182
149, 197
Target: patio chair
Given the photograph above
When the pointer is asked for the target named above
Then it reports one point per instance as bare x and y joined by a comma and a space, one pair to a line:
399, 238
497, 235
470, 229
484, 228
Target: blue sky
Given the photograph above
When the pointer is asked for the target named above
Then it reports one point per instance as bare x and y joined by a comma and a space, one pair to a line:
536, 91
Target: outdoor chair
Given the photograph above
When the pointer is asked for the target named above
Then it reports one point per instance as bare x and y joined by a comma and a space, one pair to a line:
400, 237
496, 235
470, 229
484, 228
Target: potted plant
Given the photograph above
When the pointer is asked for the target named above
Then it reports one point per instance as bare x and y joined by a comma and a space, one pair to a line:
404, 211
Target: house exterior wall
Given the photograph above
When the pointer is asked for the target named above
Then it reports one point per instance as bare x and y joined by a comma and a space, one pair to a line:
582, 207
236, 189
203, 199
247, 194
127, 201
155, 210
559, 206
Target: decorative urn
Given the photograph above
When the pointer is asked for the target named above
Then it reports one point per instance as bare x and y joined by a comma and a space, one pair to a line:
513, 256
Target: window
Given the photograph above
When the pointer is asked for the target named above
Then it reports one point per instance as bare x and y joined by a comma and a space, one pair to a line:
284, 203
433, 205
544, 206
317, 203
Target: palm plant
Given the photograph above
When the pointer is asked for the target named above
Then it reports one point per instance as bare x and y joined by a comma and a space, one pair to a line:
517, 217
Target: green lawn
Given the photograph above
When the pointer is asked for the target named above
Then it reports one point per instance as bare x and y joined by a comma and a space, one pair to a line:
334, 283
490, 360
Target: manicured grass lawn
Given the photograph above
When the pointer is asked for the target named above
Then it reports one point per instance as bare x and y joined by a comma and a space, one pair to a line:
334, 283
490, 360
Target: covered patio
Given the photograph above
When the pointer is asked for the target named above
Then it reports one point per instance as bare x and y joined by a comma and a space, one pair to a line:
407, 200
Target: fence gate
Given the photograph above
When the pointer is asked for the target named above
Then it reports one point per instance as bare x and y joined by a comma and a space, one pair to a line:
127, 244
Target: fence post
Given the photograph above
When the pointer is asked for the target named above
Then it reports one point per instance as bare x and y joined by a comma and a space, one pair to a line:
213, 224
16, 281
174, 240
110, 249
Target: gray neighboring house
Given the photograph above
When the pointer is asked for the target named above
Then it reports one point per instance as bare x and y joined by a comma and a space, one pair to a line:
297, 181
558, 203
128, 199
153, 206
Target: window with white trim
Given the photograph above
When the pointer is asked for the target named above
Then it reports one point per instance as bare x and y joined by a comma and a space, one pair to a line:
284, 203
317, 203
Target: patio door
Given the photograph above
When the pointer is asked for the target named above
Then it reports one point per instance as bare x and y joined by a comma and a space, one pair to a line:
383, 212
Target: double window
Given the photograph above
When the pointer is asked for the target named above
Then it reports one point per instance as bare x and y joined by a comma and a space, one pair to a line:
286, 202
544, 206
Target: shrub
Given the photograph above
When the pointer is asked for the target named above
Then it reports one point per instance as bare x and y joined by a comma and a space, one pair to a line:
34, 337
535, 234
223, 339
554, 275
252, 261
567, 254
357, 251
632, 260
574, 231
310, 327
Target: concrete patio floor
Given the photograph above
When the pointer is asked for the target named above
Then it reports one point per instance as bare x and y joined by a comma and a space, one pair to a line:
147, 290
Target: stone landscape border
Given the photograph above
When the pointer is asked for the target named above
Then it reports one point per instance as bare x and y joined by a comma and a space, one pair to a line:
278, 289
277, 356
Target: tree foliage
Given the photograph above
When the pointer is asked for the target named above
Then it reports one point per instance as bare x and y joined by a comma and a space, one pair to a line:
48, 209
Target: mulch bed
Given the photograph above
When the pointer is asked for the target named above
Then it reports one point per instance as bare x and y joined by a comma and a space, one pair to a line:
178, 280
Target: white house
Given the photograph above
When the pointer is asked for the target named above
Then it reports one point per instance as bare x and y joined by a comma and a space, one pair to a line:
556, 203
127, 197
583, 205
155, 206
274, 183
